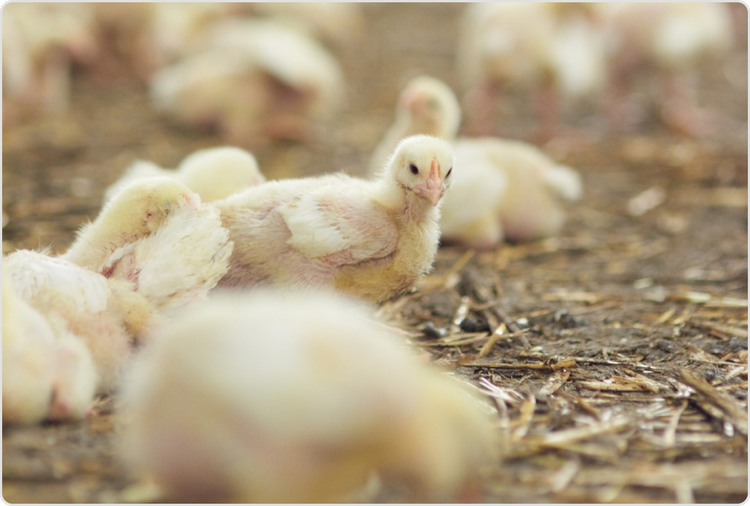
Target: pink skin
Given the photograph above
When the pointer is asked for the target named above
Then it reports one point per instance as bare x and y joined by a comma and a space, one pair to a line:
432, 189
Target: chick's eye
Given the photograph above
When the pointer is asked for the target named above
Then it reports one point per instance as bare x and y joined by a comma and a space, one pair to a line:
413, 168
449, 173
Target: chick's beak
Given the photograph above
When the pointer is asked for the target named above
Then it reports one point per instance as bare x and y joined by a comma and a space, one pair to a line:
432, 189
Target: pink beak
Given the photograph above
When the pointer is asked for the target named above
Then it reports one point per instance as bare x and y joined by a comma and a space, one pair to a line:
432, 189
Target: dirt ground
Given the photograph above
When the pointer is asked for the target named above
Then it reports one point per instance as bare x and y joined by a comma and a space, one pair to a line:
622, 375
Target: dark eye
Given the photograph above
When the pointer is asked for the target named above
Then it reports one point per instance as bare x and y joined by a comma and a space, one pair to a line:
449, 173
413, 168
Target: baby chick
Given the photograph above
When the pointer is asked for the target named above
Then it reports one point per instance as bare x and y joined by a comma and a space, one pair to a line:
369, 239
158, 236
253, 80
669, 40
213, 173
555, 50
426, 106
269, 397
503, 189
58, 303
41, 41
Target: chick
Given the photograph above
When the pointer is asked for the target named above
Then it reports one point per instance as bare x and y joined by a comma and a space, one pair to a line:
41, 41
213, 173
158, 236
72, 303
255, 80
425, 106
369, 239
554, 50
503, 189
669, 40
274, 397
336, 23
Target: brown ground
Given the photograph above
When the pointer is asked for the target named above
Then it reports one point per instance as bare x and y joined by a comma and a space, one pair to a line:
615, 380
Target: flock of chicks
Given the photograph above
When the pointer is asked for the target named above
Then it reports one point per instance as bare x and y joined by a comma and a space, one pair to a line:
276, 386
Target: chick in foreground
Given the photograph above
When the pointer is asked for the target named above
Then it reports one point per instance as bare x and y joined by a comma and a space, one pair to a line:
157, 235
48, 373
253, 80
213, 173
370, 239
503, 189
59, 303
269, 397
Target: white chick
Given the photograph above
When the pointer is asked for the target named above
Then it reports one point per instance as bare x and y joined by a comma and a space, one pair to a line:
47, 374
554, 50
213, 173
337, 23
157, 235
255, 80
670, 39
370, 239
73, 302
41, 41
273, 397
503, 189
425, 106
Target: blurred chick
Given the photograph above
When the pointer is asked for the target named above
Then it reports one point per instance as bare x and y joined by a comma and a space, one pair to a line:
157, 235
370, 239
41, 41
256, 80
425, 106
503, 189
213, 173
74, 303
48, 373
555, 50
670, 40
270, 397
336, 23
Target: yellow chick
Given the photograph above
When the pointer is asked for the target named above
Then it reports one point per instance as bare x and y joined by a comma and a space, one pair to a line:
273, 397
158, 236
670, 40
41, 41
254, 80
73, 303
213, 173
137, 211
554, 50
369, 239
503, 189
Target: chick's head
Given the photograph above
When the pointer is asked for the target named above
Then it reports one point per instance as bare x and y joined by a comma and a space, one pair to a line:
430, 107
422, 166
141, 208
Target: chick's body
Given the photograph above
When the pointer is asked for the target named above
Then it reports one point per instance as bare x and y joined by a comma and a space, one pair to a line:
213, 173
371, 239
212, 415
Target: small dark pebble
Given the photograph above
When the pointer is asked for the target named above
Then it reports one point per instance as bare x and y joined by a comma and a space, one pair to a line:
709, 375
471, 324
665, 346
567, 320
431, 331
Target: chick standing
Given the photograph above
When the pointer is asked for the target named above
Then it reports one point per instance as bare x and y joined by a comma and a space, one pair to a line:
503, 189
213, 173
48, 373
669, 40
555, 50
268, 396
369, 239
